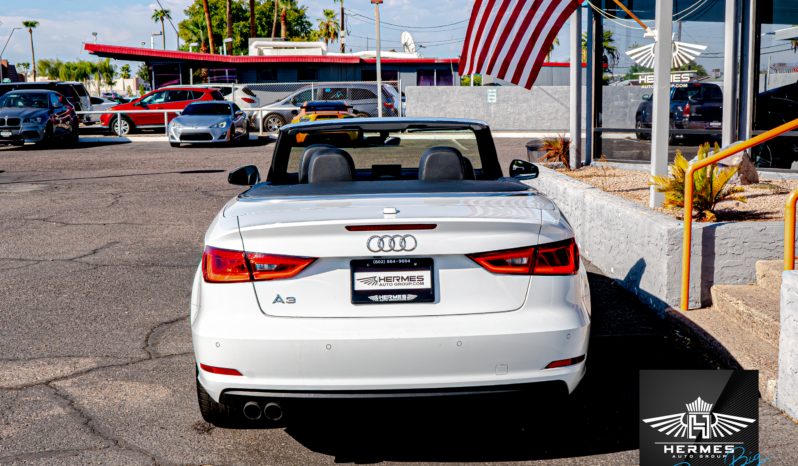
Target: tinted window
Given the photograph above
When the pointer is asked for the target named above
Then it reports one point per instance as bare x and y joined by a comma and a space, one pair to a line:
196, 95
683, 93
68, 91
216, 95
179, 96
332, 93
267, 75
23, 100
81, 90
54, 100
712, 93
303, 96
207, 109
154, 98
308, 74
236, 108
363, 94
96, 101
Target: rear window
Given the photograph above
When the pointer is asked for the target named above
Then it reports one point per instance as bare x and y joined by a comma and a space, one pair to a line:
367, 149
216, 95
81, 91
67, 90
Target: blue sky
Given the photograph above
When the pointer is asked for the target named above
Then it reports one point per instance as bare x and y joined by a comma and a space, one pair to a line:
65, 24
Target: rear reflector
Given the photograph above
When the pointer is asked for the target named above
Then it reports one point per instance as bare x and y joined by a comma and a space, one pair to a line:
248, 100
431, 226
565, 362
220, 370
558, 258
225, 266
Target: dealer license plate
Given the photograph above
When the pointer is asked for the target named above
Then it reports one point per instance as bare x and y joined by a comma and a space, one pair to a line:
5, 134
715, 124
394, 280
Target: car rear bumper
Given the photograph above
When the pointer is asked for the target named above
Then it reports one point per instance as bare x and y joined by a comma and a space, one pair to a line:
357, 356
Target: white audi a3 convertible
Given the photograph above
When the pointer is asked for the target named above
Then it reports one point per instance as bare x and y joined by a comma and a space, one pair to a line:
385, 258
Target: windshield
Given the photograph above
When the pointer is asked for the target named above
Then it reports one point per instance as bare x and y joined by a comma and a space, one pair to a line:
208, 109
20, 100
370, 150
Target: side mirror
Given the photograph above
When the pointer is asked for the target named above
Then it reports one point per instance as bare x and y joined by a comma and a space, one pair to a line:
293, 101
248, 175
138, 104
647, 97
523, 170
392, 141
239, 114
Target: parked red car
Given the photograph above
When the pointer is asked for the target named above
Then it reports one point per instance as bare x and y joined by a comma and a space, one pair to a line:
174, 98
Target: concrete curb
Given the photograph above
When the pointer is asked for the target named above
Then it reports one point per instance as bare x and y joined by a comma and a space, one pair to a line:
125, 139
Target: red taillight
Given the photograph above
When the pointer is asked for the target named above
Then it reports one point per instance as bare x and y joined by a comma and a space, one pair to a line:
224, 266
388, 104
558, 258
686, 112
565, 362
220, 370
511, 261
248, 100
272, 267
420, 226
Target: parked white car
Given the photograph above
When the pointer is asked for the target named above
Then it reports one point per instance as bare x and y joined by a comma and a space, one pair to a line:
98, 104
373, 266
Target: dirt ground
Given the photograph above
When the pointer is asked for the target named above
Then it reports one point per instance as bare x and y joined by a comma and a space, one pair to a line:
765, 200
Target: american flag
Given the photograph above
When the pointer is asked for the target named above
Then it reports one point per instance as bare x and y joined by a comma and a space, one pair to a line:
509, 39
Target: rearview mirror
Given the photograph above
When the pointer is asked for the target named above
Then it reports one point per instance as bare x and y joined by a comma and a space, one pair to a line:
647, 97
523, 170
248, 175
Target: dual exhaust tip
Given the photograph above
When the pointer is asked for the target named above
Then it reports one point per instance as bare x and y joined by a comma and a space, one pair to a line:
272, 411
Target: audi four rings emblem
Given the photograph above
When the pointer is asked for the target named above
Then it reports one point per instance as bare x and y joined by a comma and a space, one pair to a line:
389, 243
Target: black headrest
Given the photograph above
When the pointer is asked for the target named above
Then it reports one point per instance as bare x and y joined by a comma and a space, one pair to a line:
331, 165
468, 170
304, 161
441, 164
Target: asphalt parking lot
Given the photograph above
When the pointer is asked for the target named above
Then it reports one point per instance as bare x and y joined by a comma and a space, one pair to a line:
100, 244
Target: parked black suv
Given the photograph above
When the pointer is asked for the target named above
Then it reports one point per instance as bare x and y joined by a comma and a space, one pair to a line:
66, 89
693, 106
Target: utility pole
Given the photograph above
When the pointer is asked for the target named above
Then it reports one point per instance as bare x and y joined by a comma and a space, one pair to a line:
680, 31
343, 29
660, 125
379, 61
575, 149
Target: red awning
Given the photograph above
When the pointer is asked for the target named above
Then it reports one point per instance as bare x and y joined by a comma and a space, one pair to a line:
141, 54
413, 60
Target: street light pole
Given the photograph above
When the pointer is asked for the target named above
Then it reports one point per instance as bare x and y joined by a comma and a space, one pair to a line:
660, 124
152, 38
4, 49
379, 61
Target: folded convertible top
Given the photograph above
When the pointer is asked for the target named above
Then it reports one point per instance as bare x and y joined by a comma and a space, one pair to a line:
361, 188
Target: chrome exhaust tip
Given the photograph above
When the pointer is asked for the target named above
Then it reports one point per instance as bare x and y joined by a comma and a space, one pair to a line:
252, 411
273, 412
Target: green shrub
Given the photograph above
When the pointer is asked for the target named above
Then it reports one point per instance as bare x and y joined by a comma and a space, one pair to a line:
709, 186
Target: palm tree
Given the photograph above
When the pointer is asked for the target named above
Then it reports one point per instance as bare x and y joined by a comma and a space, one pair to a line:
556, 41
253, 31
610, 51
124, 72
31, 25
230, 26
328, 26
343, 25
274, 26
25, 66
49, 68
161, 15
208, 23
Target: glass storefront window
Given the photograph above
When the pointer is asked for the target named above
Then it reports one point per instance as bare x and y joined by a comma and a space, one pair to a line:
443, 78
387, 75
425, 78
221, 75
166, 75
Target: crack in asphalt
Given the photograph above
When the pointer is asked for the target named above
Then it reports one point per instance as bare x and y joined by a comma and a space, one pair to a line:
88, 419
48, 454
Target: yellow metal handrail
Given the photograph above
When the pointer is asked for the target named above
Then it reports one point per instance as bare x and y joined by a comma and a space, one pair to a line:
789, 230
688, 197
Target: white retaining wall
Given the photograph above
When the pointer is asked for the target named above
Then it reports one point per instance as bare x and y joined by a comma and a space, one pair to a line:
642, 248
787, 396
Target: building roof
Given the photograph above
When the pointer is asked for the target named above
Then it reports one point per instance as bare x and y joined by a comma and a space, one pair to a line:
119, 52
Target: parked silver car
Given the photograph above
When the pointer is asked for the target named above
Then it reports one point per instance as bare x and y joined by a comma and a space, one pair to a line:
361, 96
206, 122
36, 116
